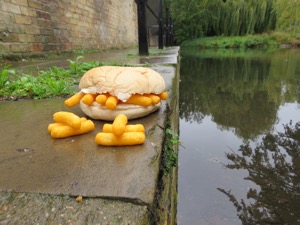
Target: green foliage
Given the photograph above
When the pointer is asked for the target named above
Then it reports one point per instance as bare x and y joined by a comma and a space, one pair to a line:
193, 19
41, 86
248, 41
47, 83
273, 39
288, 16
170, 157
4, 75
77, 67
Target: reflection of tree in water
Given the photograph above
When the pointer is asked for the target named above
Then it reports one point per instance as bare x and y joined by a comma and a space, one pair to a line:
240, 93
249, 115
273, 165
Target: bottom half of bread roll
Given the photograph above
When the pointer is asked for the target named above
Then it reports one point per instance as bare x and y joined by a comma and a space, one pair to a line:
97, 111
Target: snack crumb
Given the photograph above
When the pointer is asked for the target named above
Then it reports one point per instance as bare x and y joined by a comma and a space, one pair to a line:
79, 199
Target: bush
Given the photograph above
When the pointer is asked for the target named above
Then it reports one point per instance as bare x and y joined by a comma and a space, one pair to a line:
249, 41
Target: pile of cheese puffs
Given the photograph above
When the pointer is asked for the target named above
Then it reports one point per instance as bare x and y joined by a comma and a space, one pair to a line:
119, 133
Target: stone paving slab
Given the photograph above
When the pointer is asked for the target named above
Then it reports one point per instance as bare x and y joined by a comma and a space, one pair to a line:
34, 209
31, 161
41, 177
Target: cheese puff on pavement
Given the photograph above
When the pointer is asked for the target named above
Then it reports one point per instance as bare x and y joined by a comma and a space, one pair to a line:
107, 128
119, 124
128, 138
67, 131
52, 125
68, 118
74, 100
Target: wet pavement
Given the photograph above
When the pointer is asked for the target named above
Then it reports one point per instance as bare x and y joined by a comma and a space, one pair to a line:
38, 171
128, 56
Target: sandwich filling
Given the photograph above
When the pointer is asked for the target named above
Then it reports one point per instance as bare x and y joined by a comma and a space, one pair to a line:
108, 90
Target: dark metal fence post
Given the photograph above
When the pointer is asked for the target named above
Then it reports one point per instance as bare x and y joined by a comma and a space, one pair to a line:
160, 26
167, 28
142, 27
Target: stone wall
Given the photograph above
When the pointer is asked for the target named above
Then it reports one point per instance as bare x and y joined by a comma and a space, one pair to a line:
31, 28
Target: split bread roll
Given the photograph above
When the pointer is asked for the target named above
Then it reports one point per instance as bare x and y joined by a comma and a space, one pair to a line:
97, 111
125, 84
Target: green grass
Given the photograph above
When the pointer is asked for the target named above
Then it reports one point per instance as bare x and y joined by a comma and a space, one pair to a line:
4, 76
271, 40
170, 157
48, 83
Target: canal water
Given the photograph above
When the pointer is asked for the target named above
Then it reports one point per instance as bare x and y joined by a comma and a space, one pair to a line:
230, 101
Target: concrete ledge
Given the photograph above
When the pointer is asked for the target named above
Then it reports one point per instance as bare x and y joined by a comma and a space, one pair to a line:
41, 177
33, 208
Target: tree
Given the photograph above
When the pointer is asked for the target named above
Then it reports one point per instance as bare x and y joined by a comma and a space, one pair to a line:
287, 14
274, 166
198, 18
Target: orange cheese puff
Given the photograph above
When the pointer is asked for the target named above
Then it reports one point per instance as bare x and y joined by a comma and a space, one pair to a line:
111, 102
102, 98
52, 125
67, 131
82, 119
88, 99
154, 98
128, 138
107, 128
137, 99
74, 100
119, 124
163, 95
68, 118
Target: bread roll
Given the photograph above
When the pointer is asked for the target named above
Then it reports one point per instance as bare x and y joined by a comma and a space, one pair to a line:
121, 82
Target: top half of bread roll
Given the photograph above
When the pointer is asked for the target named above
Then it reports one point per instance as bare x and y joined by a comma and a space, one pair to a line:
122, 82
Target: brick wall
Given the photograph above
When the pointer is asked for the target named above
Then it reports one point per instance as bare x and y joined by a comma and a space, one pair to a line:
31, 28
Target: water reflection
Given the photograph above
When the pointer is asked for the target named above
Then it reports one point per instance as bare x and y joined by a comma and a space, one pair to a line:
274, 166
228, 99
240, 91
